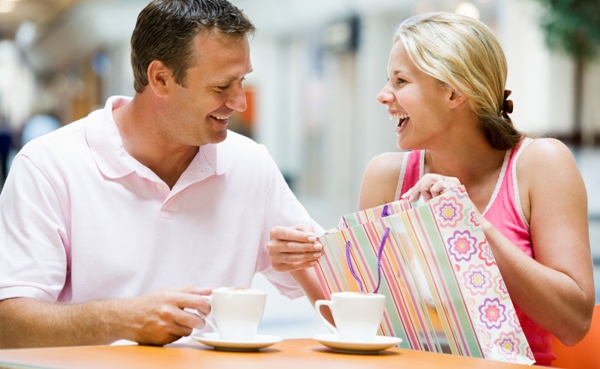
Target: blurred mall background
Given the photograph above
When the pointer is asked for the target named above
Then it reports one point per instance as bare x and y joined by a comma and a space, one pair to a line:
318, 65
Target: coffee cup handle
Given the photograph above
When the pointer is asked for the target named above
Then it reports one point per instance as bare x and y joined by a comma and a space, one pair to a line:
212, 324
328, 303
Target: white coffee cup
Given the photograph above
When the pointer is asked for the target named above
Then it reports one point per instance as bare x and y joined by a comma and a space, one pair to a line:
357, 315
237, 312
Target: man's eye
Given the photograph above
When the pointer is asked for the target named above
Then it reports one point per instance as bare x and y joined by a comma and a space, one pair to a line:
222, 88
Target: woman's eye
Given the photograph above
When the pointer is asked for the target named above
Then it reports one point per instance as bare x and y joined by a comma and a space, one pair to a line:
401, 81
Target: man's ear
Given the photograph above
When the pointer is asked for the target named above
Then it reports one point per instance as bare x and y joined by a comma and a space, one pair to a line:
456, 99
160, 77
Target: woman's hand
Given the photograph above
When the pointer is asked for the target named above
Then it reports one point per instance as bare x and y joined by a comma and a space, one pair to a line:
430, 186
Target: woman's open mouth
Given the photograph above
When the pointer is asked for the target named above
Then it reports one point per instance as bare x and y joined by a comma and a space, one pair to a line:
401, 118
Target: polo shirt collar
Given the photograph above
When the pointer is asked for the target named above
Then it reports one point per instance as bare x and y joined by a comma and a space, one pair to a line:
218, 156
110, 156
106, 143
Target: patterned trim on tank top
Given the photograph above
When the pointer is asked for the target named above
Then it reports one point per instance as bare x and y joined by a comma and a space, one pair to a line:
402, 174
499, 182
524, 144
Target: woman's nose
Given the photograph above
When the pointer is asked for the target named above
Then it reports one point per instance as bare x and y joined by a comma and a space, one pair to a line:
384, 96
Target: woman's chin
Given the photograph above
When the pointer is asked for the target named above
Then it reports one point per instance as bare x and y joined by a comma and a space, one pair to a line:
402, 145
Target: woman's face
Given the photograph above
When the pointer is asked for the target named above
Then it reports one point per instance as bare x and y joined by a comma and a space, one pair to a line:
415, 100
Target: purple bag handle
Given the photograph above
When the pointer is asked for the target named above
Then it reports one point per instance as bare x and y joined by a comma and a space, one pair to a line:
379, 254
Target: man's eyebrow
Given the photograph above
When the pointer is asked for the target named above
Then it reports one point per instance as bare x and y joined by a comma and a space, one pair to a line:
231, 79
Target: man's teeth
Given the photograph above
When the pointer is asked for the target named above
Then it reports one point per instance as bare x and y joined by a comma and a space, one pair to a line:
398, 116
219, 118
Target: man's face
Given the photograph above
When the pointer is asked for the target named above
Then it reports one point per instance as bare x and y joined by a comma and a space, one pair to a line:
213, 90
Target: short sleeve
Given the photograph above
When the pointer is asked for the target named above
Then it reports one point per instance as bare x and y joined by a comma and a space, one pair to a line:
33, 261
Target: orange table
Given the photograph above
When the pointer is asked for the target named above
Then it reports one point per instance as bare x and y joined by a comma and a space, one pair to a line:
288, 354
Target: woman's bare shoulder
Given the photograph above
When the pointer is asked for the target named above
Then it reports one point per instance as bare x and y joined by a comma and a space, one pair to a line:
548, 145
546, 168
380, 179
545, 154
386, 163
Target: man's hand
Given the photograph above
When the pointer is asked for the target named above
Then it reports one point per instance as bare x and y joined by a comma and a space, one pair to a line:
293, 248
158, 317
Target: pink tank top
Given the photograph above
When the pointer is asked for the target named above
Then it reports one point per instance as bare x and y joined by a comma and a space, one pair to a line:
505, 213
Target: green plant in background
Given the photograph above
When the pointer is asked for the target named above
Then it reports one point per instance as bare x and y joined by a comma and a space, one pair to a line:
573, 27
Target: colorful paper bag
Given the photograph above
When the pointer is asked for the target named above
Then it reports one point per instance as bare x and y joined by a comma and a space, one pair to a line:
432, 261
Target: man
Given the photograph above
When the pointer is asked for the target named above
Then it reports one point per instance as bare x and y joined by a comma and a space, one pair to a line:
114, 226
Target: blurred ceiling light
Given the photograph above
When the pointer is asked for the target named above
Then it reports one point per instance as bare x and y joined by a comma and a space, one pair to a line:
7, 6
423, 7
467, 8
25, 34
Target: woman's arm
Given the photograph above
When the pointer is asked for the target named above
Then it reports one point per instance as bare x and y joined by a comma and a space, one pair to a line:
556, 288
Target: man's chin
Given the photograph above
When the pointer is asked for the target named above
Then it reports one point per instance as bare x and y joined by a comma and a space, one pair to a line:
218, 137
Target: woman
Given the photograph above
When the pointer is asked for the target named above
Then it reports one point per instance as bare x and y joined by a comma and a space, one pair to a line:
446, 91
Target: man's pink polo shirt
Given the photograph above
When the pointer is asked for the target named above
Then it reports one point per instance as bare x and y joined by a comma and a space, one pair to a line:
81, 219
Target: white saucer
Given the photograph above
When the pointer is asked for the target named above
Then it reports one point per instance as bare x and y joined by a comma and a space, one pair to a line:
374, 346
213, 339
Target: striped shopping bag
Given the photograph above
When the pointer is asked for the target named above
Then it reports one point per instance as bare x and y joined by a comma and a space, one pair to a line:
432, 261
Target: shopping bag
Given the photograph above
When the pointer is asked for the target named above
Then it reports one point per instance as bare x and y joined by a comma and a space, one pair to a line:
432, 261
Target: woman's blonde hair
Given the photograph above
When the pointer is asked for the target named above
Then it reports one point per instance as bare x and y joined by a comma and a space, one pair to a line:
463, 53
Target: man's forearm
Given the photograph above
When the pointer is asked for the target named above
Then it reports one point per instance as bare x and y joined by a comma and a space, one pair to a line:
26, 322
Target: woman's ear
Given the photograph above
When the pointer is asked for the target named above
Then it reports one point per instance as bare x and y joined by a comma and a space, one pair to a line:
159, 77
456, 99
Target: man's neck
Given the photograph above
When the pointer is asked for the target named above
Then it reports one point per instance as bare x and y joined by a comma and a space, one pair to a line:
141, 139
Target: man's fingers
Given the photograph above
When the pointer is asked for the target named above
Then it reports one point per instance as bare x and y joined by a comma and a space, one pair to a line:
290, 267
193, 301
181, 328
285, 262
190, 319
163, 340
292, 234
293, 258
280, 247
293, 248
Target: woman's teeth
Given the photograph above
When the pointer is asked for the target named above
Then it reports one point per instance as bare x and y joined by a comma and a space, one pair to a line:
401, 118
398, 116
